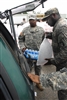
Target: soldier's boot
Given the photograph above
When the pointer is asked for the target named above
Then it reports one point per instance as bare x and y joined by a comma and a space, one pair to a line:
40, 87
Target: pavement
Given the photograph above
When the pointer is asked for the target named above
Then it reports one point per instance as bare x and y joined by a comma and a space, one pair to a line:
48, 93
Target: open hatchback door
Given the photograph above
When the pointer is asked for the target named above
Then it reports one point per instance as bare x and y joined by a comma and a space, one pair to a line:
14, 82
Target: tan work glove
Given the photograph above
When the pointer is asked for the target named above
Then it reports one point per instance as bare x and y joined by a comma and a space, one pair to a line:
34, 78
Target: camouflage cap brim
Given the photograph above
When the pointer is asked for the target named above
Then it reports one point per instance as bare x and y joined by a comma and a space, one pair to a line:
45, 18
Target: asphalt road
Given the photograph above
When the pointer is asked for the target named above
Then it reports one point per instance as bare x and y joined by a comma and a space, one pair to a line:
48, 93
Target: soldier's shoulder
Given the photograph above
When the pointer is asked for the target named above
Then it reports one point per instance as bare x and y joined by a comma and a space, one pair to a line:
26, 28
62, 22
40, 28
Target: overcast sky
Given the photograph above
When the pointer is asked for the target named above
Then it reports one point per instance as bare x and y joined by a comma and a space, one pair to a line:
60, 4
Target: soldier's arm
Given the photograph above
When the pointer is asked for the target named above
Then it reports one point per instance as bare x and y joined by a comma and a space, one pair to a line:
56, 80
62, 45
21, 39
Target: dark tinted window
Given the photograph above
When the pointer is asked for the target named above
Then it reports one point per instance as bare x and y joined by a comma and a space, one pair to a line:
4, 93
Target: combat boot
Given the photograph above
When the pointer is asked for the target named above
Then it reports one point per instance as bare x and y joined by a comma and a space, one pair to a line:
40, 87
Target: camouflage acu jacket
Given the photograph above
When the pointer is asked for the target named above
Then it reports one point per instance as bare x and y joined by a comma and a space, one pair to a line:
59, 42
33, 37
57, 80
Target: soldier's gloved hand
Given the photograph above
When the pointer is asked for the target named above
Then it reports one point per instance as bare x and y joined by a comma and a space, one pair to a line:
24, 49
49, 35
49, 61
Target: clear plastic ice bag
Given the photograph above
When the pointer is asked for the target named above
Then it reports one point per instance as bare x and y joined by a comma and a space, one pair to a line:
45, 51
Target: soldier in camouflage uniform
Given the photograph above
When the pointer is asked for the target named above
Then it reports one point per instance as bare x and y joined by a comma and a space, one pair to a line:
57, 80
59, 43
31, 38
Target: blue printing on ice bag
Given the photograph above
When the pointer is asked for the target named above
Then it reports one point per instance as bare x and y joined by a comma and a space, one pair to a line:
32, 54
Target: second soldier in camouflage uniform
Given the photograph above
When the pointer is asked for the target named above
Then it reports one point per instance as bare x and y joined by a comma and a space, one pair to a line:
31, 38
59, 43
56, 80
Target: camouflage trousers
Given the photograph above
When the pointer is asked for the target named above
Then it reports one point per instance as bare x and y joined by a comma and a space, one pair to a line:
62, 94
32, 63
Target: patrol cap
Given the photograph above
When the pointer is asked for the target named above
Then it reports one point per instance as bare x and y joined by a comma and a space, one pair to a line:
32, 17
49, 12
